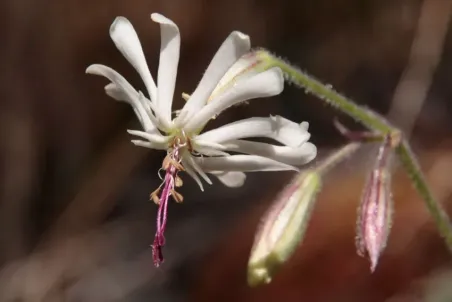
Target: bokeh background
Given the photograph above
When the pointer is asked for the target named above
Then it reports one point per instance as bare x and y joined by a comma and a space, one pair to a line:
75, 217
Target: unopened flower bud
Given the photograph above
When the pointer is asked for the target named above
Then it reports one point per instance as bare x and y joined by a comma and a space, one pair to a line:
283, 227
375, 211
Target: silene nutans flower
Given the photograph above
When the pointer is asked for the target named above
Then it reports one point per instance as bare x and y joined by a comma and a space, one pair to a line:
234, 76
376, 207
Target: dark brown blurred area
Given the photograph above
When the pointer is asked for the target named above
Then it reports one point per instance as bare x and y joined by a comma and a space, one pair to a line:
75, 217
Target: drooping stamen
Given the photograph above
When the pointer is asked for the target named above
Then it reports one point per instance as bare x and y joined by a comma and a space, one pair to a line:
172, 166
169, 181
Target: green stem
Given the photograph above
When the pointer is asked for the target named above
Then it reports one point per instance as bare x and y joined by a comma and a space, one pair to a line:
409, 162
375, 123
327, 93
336, 157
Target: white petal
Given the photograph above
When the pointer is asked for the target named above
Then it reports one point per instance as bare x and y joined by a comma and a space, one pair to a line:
126, 40
275, 127
155, 116
235, 45
244, 163
116, 93
208, 148
153, 138
121, 90
231, 179
148, 144
189, 170
197, 168
264, 84
247, 66
207, 144
210, 151
296, 156
169, 60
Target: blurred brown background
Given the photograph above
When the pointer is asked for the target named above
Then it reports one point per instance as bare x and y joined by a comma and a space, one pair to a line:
75, 219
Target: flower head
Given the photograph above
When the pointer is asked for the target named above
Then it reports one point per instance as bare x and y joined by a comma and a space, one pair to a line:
234, 75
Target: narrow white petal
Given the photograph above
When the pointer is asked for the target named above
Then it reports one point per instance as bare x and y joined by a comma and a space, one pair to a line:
305, 125
264, 84
116, 93
245, 67
113, 91
208, 148
295, 156
155, 116
148, 144
231, 179
198, 169
189, 170
235, 45
119, 82
275, 127
207, 144
153, 138
126, 40
121, 90
210, 151
244, 163
169, 60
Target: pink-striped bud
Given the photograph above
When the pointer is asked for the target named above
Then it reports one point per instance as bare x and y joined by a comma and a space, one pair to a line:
283, 227
375, 212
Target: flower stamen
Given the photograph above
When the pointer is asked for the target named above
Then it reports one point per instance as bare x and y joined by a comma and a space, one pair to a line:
178, 197
172, 166
154, 196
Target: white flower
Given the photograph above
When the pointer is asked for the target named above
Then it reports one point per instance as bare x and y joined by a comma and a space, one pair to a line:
231, 78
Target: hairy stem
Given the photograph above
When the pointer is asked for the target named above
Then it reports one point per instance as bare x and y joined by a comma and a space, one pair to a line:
328, 94
440, 217
375, 123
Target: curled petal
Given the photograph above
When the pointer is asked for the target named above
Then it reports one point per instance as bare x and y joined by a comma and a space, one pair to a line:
247, 66
116, 93
295, 156
148, 144
244, 163
235, 45
207, 144
121, 90
126, 40
275, 127
231, 179
154, 116
169, 60
189, 170
264, 84
211, 151
155, 139
113, 91
191, 160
